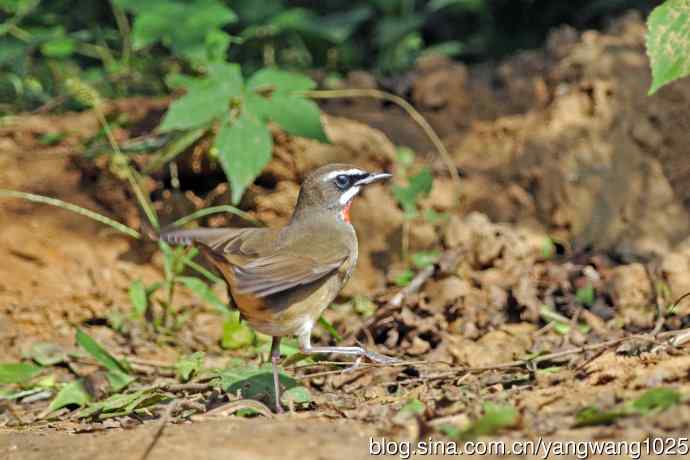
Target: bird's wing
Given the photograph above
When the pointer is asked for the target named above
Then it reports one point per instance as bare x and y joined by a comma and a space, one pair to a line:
260, 265
241, 242
279, 272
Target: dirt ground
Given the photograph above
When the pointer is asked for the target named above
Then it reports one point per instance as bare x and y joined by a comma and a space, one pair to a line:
559, 261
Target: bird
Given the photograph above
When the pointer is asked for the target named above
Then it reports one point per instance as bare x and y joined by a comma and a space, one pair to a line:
282, 279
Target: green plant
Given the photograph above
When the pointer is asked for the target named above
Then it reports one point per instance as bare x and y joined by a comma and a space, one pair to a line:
192, 30
496, 417
650, 402
668, 42
238, 112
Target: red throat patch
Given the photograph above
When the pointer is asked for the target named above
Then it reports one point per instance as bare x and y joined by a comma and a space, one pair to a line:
345, 214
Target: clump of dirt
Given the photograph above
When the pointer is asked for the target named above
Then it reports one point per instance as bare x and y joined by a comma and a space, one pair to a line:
600, 158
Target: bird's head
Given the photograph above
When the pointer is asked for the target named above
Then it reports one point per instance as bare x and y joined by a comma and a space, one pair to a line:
332, 188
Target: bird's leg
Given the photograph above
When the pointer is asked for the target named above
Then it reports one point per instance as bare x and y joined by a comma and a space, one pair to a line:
359, 352
275, 358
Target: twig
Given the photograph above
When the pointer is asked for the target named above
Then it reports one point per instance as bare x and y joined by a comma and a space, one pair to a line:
407, 107
591, 359
167, 416
146, 362
233, 406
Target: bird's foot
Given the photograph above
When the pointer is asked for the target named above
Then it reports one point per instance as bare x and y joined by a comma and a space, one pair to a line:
380, 359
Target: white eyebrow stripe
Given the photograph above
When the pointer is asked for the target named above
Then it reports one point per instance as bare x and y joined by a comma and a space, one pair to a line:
348, 195
346, 172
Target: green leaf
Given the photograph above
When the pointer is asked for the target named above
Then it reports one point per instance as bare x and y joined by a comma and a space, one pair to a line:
46, 353
296, 115
206, 99
496, 418
272, 94
289, 348
139, 298
236, 334
548, 248
586, 295
413, 406
99, 353
122, 404
424, 259
279, 81
324, 323
244, 148
253, 382
335, 28
297, 395
591, 416
189, 365
182, 26
203, 291
451, 431
364, 306
651, 401
404, 156
418, 186
52, 138
668, 42
118, 380
404, 278
60, 47
656, 399
391, 29
71, 394
17, 372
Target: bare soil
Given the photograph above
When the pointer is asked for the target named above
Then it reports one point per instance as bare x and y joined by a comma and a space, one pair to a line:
574, 181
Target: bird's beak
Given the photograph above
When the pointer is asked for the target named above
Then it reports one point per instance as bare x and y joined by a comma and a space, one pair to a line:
373, 177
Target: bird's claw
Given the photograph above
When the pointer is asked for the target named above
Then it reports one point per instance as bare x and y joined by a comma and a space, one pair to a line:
380, 359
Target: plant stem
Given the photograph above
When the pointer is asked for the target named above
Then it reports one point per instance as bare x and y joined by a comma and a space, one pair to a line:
198, 268
173, 149
133, 182
123, 27
74, 208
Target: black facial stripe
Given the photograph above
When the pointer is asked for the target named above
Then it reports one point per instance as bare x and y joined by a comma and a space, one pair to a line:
345, 181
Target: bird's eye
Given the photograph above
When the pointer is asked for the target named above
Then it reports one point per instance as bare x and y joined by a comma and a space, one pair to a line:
342, 181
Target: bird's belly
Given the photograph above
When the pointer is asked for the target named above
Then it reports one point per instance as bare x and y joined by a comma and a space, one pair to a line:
292, 312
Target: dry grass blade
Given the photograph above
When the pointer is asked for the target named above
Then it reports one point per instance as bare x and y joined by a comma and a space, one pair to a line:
407, 107
74, 208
